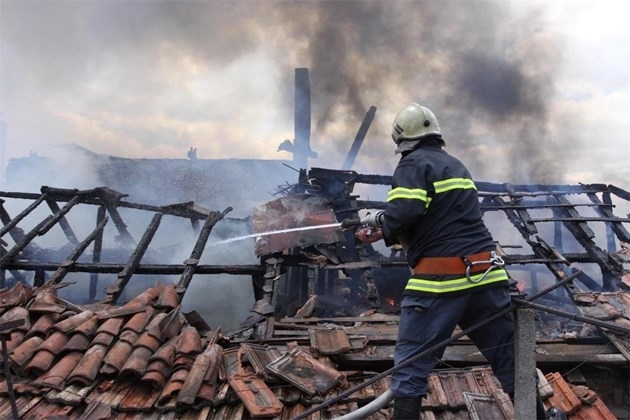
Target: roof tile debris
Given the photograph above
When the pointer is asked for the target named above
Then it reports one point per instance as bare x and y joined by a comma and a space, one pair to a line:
296, 351
130, 369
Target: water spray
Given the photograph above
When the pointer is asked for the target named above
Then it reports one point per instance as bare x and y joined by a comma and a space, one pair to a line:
275, 232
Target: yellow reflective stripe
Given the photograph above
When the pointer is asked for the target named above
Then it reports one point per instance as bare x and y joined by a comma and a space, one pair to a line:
453, 184
445, 286
409, 193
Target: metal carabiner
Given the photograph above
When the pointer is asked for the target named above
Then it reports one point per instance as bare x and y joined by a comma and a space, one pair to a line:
494, 261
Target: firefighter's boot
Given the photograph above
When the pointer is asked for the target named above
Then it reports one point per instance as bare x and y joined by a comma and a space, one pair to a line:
406, 409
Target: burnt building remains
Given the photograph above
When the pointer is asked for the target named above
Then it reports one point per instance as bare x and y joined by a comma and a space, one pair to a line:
96, 320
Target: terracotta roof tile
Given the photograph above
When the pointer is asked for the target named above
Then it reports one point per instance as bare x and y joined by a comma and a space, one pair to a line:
171, 389
46, 301
148, 341
86, 370
108, 331
166, 352
43, 324
138, 322
111, 326
23, 353
73, 321
189, 342
15, 314
157, 373
137, 362
57, 375
205, 369
562, 398
40, 363
77, 342
178, 378
15, 296
15, 338
116, 357
168, 298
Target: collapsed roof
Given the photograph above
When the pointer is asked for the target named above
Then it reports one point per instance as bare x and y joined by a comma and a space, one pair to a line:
92, 310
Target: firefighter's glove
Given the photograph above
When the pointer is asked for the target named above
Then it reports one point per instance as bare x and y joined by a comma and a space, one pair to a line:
368, 235
373, 219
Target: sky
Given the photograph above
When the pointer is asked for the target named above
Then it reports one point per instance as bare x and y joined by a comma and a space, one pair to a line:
524, 91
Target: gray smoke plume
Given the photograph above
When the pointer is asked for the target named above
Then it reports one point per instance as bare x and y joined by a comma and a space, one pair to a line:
485, 73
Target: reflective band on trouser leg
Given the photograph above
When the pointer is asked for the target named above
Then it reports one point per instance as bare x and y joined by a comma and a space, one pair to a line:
455, 285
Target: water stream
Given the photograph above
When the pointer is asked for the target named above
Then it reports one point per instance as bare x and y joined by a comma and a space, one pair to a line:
275, 232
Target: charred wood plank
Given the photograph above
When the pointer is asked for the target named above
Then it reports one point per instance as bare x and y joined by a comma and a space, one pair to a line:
113, 268
62, 270
59, 217
92, 198
63, 222
96, 252
195, 255
358, 140
613, 222
115, 290
9, 223
40, 229
24, 241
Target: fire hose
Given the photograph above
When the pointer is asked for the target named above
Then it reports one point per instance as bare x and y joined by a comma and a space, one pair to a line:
386, 397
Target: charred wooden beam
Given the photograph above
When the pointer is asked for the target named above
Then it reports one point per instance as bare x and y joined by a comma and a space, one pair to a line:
96, 252
604, 209
59, 216
116, 289
62, 270
192, 262
63, 222
165, 269
93, 197
358, 140
9, 223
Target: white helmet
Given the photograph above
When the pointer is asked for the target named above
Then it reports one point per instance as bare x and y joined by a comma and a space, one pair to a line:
414, 122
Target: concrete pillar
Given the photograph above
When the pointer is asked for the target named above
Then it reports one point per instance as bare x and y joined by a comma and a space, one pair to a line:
525, 364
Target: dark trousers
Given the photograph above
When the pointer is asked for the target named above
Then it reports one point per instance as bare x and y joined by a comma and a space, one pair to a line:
426, 321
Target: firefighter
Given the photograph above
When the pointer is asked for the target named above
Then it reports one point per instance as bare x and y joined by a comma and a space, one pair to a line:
456, 278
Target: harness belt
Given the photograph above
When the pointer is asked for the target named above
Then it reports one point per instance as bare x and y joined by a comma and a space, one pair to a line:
455, 265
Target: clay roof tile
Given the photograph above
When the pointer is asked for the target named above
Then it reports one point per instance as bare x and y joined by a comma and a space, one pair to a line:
116, 357
137, 362
137, 322
88, 327
168, 298
54, 342
40, 363
78, 342
43, 324
73, 321
56, 376
86, 370
146, 340
23, 353
189, 342
166, 352
15, 314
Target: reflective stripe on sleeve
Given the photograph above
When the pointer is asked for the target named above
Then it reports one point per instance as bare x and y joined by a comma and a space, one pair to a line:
453, 184
409, 193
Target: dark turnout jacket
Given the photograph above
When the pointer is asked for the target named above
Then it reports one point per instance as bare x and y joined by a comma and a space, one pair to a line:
433, 211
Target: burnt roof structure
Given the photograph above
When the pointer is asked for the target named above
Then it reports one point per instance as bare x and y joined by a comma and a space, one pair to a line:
121, 346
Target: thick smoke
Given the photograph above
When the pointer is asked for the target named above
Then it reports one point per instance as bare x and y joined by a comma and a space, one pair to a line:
487, 80
135, 78
152, 79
